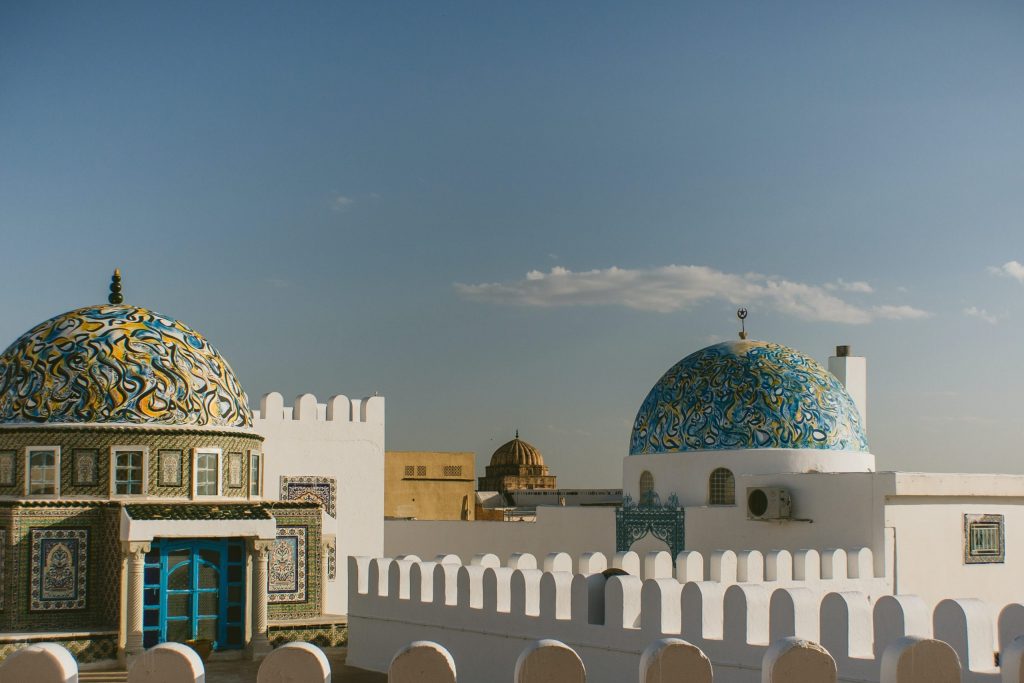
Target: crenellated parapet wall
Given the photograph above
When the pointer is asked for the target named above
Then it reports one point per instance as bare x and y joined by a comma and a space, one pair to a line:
486, 612
307, 408
335, 450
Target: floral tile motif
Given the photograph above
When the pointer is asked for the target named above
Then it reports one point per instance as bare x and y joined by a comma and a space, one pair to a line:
7, 468
321, 490
3, 561
235, 470
332, 558
170, 468
86, 467
286, 575
59, 561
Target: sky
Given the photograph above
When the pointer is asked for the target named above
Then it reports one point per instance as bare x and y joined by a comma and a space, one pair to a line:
509, 216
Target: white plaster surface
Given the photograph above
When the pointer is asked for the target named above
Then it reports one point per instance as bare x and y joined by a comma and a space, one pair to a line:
343, 439
167, 663
422, 662
556, 529
40, 663
295, 663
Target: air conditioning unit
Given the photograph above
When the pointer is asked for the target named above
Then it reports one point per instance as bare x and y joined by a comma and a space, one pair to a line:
765, 502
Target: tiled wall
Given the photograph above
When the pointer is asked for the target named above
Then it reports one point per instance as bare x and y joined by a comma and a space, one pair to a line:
71, 439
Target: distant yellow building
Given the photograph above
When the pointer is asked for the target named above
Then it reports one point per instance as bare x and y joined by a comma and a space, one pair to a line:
429, 485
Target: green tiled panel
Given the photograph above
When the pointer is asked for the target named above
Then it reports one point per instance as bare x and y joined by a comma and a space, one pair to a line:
101, 439
308, 515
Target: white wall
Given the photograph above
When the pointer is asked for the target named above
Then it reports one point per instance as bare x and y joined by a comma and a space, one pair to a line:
343, 439
557, 529
686, 474
845, 511
930, 551
485, 616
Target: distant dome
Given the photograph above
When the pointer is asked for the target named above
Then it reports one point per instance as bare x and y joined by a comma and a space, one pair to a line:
747, 394
119, 364
517, 452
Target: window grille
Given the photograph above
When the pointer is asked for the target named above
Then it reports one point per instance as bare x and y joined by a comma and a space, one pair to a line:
255, 479
410, 471
42, 473
722, 487
421, 470
207, 475
453, 470
984, 539
128, 473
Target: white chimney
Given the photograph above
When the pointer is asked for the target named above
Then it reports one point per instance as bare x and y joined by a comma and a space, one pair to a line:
852, 371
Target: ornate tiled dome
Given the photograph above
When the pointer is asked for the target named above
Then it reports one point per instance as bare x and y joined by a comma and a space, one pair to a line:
517, 452
120, 364
747, 394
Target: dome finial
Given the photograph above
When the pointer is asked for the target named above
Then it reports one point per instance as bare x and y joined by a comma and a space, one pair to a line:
517, 433
115, 288
742, 315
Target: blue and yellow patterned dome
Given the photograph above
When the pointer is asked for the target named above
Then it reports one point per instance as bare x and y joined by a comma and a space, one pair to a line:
747, 394
120, 364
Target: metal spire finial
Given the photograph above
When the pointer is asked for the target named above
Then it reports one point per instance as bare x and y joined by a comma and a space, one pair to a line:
517, 433
115, 288
742, 315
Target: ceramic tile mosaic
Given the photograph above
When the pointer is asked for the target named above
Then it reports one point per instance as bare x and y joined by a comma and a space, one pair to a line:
169, 472
85, 467
7, 468
322, 490
3, 562
307, 515
97, 647
234, 470
171, 375
102, 609
332, 558
321, 635
286, 575
58, 569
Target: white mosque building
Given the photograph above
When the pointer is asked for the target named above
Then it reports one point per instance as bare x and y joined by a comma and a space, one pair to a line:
753, 511
143, 500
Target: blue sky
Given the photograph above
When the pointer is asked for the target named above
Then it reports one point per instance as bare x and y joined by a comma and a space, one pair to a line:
519, 215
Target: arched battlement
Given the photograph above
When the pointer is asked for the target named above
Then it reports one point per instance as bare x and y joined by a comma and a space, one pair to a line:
495, 607
306, 408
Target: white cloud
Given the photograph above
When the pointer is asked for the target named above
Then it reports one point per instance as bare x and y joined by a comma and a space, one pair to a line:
1013, 269
981, 314
858, 286
342, 203
672, 288
899, 312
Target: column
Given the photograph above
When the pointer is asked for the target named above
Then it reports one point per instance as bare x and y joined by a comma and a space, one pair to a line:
135, 553
260, 550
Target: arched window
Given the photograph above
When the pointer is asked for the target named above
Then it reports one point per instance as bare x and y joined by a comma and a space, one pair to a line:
722, 488
646, 487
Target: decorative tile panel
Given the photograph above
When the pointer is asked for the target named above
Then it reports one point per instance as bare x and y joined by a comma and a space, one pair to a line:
286, 575
235, 470
320, 490
7, 468
3, 563
332, 558
169, 472
58, 569
85, 467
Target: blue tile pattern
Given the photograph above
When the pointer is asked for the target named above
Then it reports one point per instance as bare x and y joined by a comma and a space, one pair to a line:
747, 394
118, 363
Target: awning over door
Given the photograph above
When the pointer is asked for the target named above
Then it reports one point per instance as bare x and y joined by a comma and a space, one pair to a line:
146, 521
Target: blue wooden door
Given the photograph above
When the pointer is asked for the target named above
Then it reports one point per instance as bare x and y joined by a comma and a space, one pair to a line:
195, 589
